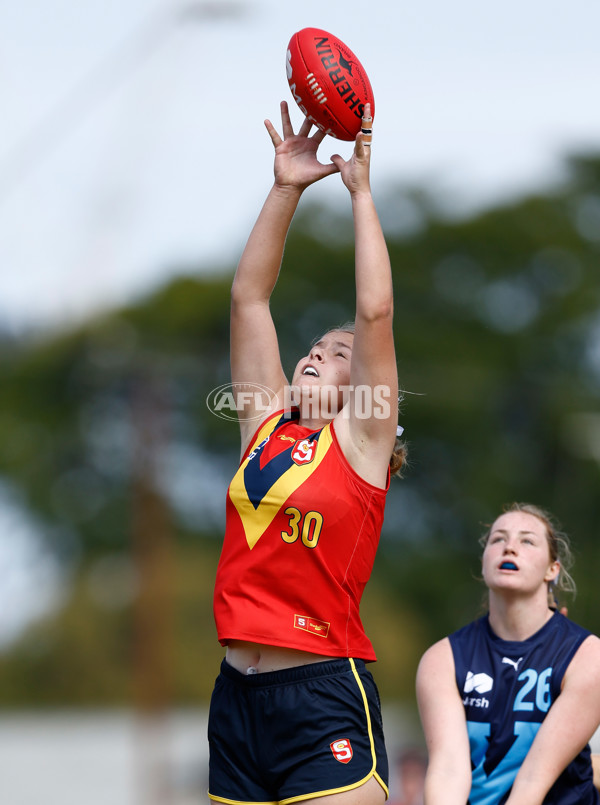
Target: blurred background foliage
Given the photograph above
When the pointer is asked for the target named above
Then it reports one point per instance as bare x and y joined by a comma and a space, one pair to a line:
109, 450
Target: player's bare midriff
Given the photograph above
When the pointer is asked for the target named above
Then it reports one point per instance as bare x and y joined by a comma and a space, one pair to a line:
258, 659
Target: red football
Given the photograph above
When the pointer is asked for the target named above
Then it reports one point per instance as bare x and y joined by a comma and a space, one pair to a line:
328, 82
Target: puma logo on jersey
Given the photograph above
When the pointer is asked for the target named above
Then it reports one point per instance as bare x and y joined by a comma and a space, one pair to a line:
514, 663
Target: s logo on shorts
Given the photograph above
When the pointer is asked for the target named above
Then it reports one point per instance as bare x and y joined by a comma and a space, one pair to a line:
342, 750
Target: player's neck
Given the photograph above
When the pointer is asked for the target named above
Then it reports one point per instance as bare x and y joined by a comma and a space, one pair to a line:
307, 419
517, 618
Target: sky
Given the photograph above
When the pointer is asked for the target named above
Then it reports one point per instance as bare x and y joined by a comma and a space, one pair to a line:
132, 144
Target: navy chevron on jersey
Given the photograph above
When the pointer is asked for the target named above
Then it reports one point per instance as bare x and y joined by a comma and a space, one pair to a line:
507, 687
301, 535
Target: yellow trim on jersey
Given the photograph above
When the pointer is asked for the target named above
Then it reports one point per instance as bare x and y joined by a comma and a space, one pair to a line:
265, 429
372, 773
256, 521
239, 801
367, 713
382, 784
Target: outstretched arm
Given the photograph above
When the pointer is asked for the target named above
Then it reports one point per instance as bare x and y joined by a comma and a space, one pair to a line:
448, 777
567, 728
254, 346
368, 441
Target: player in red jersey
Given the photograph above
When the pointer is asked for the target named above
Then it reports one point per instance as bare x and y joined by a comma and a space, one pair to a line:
295, 714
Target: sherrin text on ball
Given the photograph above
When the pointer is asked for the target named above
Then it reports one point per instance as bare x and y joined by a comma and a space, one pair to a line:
328, 82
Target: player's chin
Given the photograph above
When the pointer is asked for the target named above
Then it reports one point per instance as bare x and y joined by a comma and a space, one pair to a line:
509, 583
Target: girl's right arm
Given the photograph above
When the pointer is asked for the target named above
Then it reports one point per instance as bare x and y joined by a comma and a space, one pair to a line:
448, 778
254, 347
568, 726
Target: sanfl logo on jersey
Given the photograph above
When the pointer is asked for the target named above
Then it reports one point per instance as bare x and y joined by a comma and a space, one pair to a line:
514, 663
312, 625
480, 683
304, 451
342, 750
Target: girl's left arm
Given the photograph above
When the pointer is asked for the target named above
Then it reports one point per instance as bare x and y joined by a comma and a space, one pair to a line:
369, 428
569, 725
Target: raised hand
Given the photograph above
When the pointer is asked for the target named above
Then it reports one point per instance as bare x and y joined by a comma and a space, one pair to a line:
296, 163
355, 171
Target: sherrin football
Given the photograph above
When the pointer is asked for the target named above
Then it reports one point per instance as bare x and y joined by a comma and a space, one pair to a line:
328, 82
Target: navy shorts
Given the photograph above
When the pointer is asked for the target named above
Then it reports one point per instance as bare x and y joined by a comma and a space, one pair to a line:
301, 732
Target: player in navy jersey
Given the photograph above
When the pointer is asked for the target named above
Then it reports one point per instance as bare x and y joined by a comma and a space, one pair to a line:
295, 714
509, 702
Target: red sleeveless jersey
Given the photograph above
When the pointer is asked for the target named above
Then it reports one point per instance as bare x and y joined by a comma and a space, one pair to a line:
301, 534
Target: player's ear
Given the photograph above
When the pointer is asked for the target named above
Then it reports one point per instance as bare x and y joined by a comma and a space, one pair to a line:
553, 571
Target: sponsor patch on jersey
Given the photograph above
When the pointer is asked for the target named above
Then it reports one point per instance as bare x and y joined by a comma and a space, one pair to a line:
312, 625
304, 451
480, 683
342, 750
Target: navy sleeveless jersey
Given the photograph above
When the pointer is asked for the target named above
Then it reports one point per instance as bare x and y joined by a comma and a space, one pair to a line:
507, 687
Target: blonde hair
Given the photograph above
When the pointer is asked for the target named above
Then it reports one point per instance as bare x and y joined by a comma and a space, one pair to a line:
558, 545
400, 452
